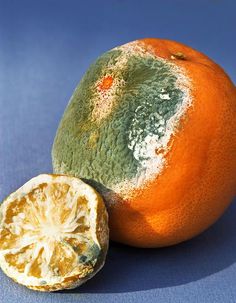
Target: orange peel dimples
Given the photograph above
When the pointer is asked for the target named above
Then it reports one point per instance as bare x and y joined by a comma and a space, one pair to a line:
151, 127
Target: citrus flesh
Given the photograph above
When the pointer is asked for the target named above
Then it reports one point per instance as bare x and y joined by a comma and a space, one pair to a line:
151, 127
53, 233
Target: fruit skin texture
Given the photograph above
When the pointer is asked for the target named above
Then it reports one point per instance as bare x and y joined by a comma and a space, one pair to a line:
198, 180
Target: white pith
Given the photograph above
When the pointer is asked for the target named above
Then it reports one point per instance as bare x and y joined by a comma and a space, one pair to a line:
49, 231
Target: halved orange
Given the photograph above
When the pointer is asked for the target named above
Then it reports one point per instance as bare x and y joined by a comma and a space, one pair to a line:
53, 233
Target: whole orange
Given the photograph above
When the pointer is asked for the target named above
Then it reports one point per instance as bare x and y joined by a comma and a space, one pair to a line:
152, 126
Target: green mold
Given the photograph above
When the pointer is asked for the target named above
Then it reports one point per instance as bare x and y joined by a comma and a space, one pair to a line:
104, 152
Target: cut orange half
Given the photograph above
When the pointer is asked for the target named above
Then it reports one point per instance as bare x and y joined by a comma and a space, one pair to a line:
53, 233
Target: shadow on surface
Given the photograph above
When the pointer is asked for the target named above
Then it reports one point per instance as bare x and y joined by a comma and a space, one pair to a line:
131, 269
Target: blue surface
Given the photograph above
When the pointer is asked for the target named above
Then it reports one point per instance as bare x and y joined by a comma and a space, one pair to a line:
45, 47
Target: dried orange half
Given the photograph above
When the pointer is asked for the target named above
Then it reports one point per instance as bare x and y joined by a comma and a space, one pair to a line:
53, 233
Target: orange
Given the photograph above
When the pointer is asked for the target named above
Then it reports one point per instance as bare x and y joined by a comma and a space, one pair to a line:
151, 126
53, 233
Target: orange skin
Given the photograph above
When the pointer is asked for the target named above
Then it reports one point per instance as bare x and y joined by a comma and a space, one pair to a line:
106, 83
199, 181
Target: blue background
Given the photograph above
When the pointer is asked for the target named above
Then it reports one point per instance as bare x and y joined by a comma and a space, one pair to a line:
45, 47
